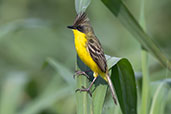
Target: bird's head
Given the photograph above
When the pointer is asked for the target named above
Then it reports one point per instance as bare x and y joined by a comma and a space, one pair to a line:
82, 24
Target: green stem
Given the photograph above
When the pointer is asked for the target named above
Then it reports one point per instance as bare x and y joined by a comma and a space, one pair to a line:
145, 84
82, 98
145, 72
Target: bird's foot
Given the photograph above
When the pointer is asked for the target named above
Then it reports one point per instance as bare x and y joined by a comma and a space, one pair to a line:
78, 72
84, 89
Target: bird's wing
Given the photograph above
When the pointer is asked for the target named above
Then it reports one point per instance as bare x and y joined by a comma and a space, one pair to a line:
96, 52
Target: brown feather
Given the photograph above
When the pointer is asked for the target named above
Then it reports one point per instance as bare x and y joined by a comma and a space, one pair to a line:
80, 19
96, 52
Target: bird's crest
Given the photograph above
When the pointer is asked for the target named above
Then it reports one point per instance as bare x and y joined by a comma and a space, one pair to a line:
81, 19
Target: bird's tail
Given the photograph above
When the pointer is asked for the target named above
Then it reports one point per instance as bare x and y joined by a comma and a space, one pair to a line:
111, 88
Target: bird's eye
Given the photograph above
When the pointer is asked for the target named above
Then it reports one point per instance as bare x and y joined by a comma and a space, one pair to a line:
80, 28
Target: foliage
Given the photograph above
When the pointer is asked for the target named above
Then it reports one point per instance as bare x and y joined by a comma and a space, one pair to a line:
32, 32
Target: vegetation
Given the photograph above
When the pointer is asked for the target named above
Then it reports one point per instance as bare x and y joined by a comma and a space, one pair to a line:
38, 58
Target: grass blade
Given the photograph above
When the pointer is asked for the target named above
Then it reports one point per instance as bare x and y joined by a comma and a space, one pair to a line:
11, 93
81, 5
21, 24
119, 9
62, 70
44, 102
51, 94
159, 98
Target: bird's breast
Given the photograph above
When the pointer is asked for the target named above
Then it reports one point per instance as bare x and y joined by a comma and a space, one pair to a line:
82, 51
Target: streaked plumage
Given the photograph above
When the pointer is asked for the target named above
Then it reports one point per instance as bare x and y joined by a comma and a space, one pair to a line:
90, 50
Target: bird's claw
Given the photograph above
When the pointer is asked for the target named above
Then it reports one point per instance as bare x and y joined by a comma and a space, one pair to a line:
84, 89
78, 72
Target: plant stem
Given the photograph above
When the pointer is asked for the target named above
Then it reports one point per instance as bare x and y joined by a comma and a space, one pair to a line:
82, 98
145, 86
145, 72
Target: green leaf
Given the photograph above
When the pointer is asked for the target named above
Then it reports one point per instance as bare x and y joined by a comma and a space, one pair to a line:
81, 5
19, 25
51, 93
12, 90
123, 79
66, 74
160, 97
44, 102
119, 9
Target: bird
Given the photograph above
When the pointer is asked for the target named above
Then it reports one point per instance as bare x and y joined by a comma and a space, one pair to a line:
90, 51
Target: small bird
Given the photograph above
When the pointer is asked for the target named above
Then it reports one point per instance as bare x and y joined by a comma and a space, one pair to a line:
90, 51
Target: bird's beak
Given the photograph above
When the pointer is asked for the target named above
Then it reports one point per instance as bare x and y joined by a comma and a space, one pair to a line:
71, 27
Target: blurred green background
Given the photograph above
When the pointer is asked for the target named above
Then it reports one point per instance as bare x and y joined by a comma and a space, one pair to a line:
33, 30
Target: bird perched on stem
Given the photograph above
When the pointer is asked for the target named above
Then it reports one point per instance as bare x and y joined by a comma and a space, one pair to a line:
90, 51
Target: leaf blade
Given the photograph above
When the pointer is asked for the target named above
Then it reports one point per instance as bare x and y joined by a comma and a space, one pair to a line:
65, 73
130, 23
128, 106
123, 80
81, 5
41, 103
13, 87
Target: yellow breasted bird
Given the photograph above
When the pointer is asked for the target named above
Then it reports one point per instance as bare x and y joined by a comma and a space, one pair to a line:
90, 51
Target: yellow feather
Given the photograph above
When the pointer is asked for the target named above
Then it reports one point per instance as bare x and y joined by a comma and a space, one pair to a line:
81, 48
